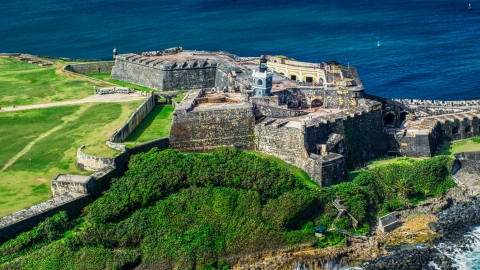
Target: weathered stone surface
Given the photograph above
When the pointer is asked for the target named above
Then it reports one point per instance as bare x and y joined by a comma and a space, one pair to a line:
92, 163
137, 116
91, 68
67, 183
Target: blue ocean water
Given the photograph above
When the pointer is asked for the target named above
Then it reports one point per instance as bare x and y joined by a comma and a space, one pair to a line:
429, 48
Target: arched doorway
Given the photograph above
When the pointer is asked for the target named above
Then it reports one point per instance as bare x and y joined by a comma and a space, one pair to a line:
293, 77
317, 103
403, 116
389, 120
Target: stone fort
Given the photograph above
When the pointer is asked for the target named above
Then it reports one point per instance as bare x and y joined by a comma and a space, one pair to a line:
315, 116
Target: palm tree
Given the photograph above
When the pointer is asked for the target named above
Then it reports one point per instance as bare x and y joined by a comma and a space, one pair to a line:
404, 186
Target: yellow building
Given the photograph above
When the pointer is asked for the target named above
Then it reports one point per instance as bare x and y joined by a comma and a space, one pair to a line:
306, 72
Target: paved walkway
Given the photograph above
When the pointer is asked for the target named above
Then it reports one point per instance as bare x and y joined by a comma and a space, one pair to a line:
90, 99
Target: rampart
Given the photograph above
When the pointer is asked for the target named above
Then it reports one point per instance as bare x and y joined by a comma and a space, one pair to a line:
91, 68
164, 75
423, 137
206, 128
138, 115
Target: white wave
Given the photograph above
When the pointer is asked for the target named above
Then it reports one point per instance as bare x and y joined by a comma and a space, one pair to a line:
464, 259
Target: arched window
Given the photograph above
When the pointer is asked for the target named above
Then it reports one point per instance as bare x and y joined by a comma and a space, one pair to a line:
259, 82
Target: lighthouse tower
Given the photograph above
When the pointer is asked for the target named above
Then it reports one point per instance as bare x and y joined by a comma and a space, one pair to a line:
262, 80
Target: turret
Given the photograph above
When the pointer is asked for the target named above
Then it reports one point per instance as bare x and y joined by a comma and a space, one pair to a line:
263, 64
262, 80
115, 53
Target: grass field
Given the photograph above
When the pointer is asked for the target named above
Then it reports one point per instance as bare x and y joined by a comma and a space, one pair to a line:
466, 145
24, 83
106, 77
155, 125
53, 135
301, 174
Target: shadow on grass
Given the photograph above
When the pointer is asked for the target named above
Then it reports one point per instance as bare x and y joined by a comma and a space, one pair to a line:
145, 123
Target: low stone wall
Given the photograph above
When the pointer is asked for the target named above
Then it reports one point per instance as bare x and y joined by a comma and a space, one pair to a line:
92, 163
116, 146
91, 68
26, 219
138, 115
275, 112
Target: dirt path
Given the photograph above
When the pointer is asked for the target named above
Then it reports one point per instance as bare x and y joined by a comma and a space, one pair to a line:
29, 146
90, 99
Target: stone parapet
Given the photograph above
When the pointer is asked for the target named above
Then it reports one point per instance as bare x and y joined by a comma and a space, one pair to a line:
92, 163
28, 218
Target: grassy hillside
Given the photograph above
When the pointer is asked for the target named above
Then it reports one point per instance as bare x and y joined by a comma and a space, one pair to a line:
38, 144
193, 211
24, 83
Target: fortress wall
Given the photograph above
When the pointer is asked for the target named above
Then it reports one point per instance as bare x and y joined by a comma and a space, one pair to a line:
91, 68
202, 129
327, 171
138, 115
189, 78
460, 121
92, 163
221, 79
286, 143
364, 137
161, 78
423, 141
26, 219
140, 74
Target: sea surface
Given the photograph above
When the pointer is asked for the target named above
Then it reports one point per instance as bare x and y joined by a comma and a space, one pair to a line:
429, 49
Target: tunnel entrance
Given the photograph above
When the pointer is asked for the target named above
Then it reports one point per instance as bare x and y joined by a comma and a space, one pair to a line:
389, 120
317, 103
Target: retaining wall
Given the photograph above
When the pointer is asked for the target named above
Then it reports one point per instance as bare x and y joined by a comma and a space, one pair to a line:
138, 115
91, 68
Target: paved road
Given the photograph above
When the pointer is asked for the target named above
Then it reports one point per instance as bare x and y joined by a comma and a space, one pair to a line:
94, 98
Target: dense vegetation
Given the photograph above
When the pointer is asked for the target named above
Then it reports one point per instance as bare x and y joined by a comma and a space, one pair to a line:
197, 210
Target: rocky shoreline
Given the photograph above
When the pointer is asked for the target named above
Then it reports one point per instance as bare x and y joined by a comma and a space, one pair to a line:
460, 214
413, 246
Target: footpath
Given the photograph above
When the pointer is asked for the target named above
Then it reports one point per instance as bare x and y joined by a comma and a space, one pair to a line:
91, 99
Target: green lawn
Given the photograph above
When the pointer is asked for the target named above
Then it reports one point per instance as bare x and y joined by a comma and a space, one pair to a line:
455, 147
27, 180
106, 77
155, 125
23, 83
301, 174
